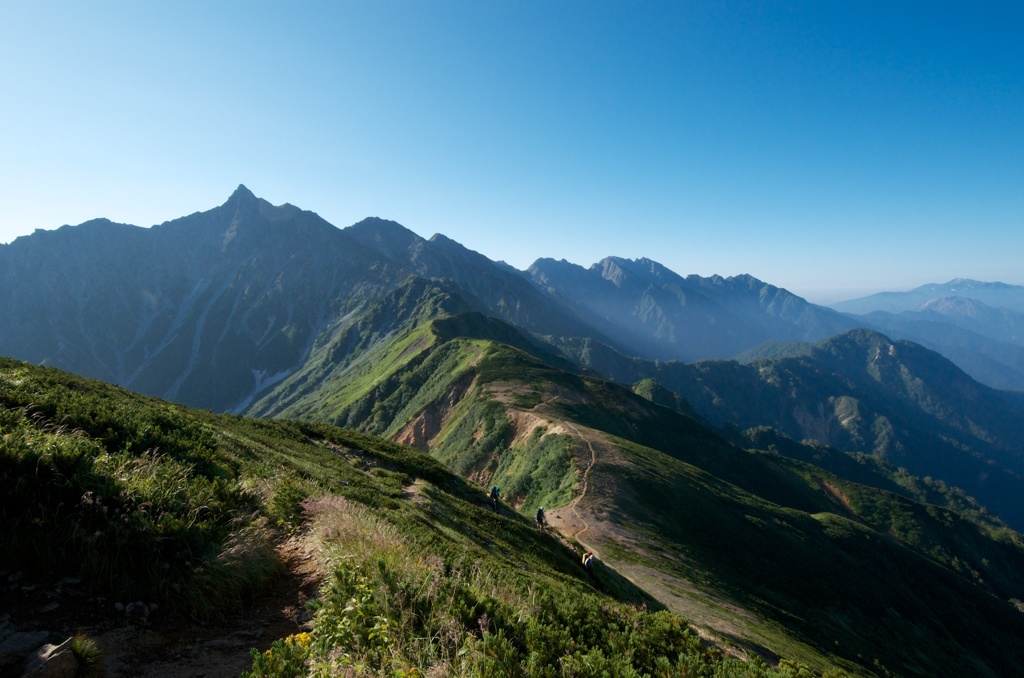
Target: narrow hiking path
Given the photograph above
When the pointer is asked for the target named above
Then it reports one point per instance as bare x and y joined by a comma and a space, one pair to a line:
165, 642
583, 483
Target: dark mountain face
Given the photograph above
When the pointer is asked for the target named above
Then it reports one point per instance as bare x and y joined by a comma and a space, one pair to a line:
493, 287
652, 312
986, 342
212, 308
204, 309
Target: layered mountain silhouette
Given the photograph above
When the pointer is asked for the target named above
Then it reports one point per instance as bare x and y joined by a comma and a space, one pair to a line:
995, 294
655, 313
977, 325
212, 308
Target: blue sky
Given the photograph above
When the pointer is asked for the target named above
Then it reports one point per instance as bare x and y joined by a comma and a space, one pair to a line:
830, 148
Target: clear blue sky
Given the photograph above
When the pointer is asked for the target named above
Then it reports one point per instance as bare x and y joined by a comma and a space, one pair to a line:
831, 148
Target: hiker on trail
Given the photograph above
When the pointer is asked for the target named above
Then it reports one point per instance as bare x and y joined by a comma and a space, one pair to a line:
588, 561
495, 491
539, 519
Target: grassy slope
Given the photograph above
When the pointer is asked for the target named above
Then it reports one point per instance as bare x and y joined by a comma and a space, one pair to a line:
423, 576
812, 579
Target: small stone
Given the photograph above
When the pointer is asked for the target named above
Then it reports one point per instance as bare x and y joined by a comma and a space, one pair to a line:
119, 606
137, 613
49, 607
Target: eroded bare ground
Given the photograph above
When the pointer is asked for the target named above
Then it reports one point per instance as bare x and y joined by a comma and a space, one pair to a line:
170, 645
587, 520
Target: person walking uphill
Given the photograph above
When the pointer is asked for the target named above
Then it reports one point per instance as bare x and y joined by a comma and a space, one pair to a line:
495, 491
539, 518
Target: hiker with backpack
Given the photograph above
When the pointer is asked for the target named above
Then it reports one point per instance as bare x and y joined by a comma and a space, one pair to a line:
495, 492
539, 518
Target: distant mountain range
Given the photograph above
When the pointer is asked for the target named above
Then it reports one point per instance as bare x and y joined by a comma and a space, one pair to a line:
655, 313
995, 294
977, 325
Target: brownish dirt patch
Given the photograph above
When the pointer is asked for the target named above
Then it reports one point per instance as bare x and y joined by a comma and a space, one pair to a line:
171, 645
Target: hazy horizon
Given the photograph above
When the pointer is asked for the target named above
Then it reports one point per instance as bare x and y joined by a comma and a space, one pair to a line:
832, 150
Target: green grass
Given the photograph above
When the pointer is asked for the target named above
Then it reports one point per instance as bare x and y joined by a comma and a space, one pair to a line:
400, 601
901, 591
186, 506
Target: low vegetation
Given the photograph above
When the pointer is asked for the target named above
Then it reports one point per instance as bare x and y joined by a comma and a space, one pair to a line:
141, 497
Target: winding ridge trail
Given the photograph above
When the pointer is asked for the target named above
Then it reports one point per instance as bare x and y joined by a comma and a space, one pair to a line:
583, 483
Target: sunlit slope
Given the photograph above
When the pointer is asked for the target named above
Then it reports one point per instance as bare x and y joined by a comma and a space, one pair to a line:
762, 550
139, 497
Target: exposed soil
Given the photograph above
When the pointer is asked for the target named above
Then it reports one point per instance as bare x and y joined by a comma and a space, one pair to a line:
585, 518
161, 643
587, 521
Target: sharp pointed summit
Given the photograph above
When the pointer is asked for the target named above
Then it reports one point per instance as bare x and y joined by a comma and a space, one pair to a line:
242, 194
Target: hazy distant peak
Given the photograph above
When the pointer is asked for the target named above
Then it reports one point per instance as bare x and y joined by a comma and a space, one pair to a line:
548, 271
612, 270
547, 263
747, 279
385, 237
992, 294
962, 307
381, 228
442, 239
442, 243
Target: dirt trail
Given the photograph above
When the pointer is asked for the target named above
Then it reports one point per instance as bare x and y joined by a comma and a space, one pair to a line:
180, 649
583, 484
170, 645
574, 526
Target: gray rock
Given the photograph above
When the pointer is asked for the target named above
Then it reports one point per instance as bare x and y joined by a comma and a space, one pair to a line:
19, 644
52, 661
137, 613
6, 628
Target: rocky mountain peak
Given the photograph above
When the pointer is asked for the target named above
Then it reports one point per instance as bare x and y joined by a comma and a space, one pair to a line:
242, 193
385, 237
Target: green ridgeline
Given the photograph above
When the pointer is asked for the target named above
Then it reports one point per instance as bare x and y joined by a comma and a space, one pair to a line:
815, 581
142, 498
